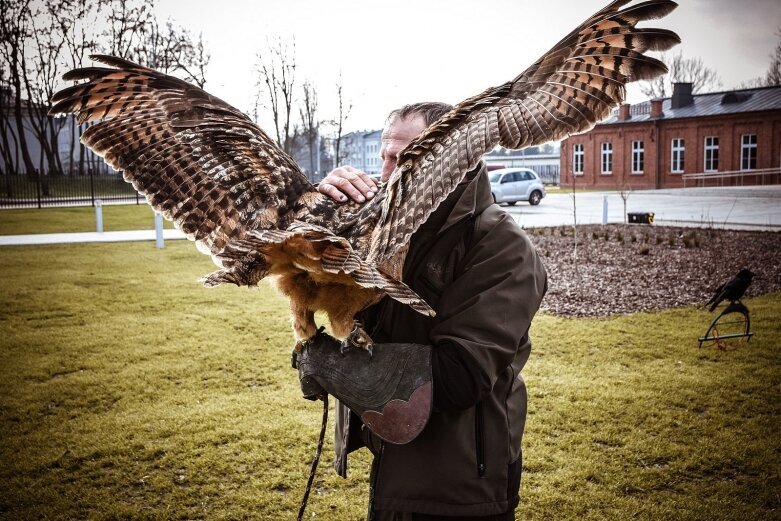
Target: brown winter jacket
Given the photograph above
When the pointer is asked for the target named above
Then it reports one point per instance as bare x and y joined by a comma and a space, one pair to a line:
477, 269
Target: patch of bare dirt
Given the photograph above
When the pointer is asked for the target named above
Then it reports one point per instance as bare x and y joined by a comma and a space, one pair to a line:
628, 268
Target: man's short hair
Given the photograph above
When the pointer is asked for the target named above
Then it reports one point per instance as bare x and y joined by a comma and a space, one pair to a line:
431, 111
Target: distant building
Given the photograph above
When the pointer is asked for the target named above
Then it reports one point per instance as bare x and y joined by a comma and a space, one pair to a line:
362, 150
67, 153
544, 160
723, 138
315, 163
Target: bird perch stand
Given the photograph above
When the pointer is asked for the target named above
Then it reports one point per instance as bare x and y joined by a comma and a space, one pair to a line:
725, 327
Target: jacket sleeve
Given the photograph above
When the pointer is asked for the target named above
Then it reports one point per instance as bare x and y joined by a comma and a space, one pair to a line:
457, 380
488, 309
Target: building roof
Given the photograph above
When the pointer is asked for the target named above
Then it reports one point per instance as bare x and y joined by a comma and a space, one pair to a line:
710, 104
362, 134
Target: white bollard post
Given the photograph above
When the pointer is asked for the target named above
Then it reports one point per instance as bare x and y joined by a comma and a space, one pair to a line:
604, 209
99, 215
159, 231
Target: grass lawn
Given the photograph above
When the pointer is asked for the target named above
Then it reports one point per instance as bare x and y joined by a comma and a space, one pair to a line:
77, 219
128, 391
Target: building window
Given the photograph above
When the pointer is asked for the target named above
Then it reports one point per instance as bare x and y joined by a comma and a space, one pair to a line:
678, 152
578, 156
607, 158
711, 154
748, 152
638, 157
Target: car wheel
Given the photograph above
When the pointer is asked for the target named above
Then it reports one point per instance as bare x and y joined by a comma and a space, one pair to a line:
511, 203
535, 198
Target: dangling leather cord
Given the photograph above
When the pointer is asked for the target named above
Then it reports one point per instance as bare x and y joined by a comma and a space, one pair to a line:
316, 460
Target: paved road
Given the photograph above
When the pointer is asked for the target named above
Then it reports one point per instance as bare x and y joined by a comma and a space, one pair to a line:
63, 238
753, 208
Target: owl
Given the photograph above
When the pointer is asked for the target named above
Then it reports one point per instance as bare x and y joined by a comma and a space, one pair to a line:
223, 182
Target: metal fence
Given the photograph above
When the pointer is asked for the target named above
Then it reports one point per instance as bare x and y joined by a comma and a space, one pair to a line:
734, 178
42, 191
39, 191
548, 173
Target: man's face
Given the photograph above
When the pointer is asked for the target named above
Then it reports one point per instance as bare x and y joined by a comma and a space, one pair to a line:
396, 137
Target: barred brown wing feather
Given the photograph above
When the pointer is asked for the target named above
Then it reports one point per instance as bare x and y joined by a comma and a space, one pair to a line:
338, 259
567, 91
199, 161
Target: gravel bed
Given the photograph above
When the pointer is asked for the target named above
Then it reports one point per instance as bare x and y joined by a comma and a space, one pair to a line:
618, 269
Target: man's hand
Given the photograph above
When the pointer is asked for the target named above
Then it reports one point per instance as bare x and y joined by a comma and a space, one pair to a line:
348, 182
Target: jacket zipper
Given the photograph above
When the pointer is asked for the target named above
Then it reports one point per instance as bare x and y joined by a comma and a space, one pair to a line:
479, 440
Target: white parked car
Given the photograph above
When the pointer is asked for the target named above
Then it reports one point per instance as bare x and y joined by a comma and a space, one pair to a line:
510, 185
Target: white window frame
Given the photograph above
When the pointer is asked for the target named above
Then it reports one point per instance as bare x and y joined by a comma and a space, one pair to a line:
606, 158
677, 155
711, 154
578, 158
638, 157
748, 151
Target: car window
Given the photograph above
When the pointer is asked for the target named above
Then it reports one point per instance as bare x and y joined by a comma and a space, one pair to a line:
507, 178
494, 178
527, 176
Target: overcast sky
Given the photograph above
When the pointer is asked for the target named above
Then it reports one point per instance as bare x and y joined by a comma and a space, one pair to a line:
391, 53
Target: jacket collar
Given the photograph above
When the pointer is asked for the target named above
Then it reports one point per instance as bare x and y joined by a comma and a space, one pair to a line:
474, 198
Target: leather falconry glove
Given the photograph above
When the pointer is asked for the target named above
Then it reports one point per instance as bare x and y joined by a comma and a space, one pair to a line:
391, 390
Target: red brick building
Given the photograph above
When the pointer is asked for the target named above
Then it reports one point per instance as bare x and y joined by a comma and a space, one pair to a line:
728, 137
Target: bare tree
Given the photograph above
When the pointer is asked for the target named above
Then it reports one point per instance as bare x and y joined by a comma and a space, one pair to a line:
574, 197
9, 151
172, 49
193, 59
128, 20
41, 38
8, 141
624, 190
310, 126
688, 70
345, 107
41, 77
773, 74
14, 31
276, 69
76, 25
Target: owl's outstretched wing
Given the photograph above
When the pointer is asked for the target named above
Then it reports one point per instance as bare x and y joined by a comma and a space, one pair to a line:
200, 162
571, 88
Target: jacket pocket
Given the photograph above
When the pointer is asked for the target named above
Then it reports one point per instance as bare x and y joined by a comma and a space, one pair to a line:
480, 439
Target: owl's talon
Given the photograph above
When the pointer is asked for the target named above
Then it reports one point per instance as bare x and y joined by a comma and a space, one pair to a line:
358, 338
303, 344
347, 344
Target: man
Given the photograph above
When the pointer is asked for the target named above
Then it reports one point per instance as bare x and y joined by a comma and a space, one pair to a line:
477, 269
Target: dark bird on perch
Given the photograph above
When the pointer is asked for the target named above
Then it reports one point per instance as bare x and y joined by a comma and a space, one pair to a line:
732, 290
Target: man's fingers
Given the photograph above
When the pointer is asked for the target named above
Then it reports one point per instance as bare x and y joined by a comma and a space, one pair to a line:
348, 187
346, 181
369, 182
331, 191
360, 180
